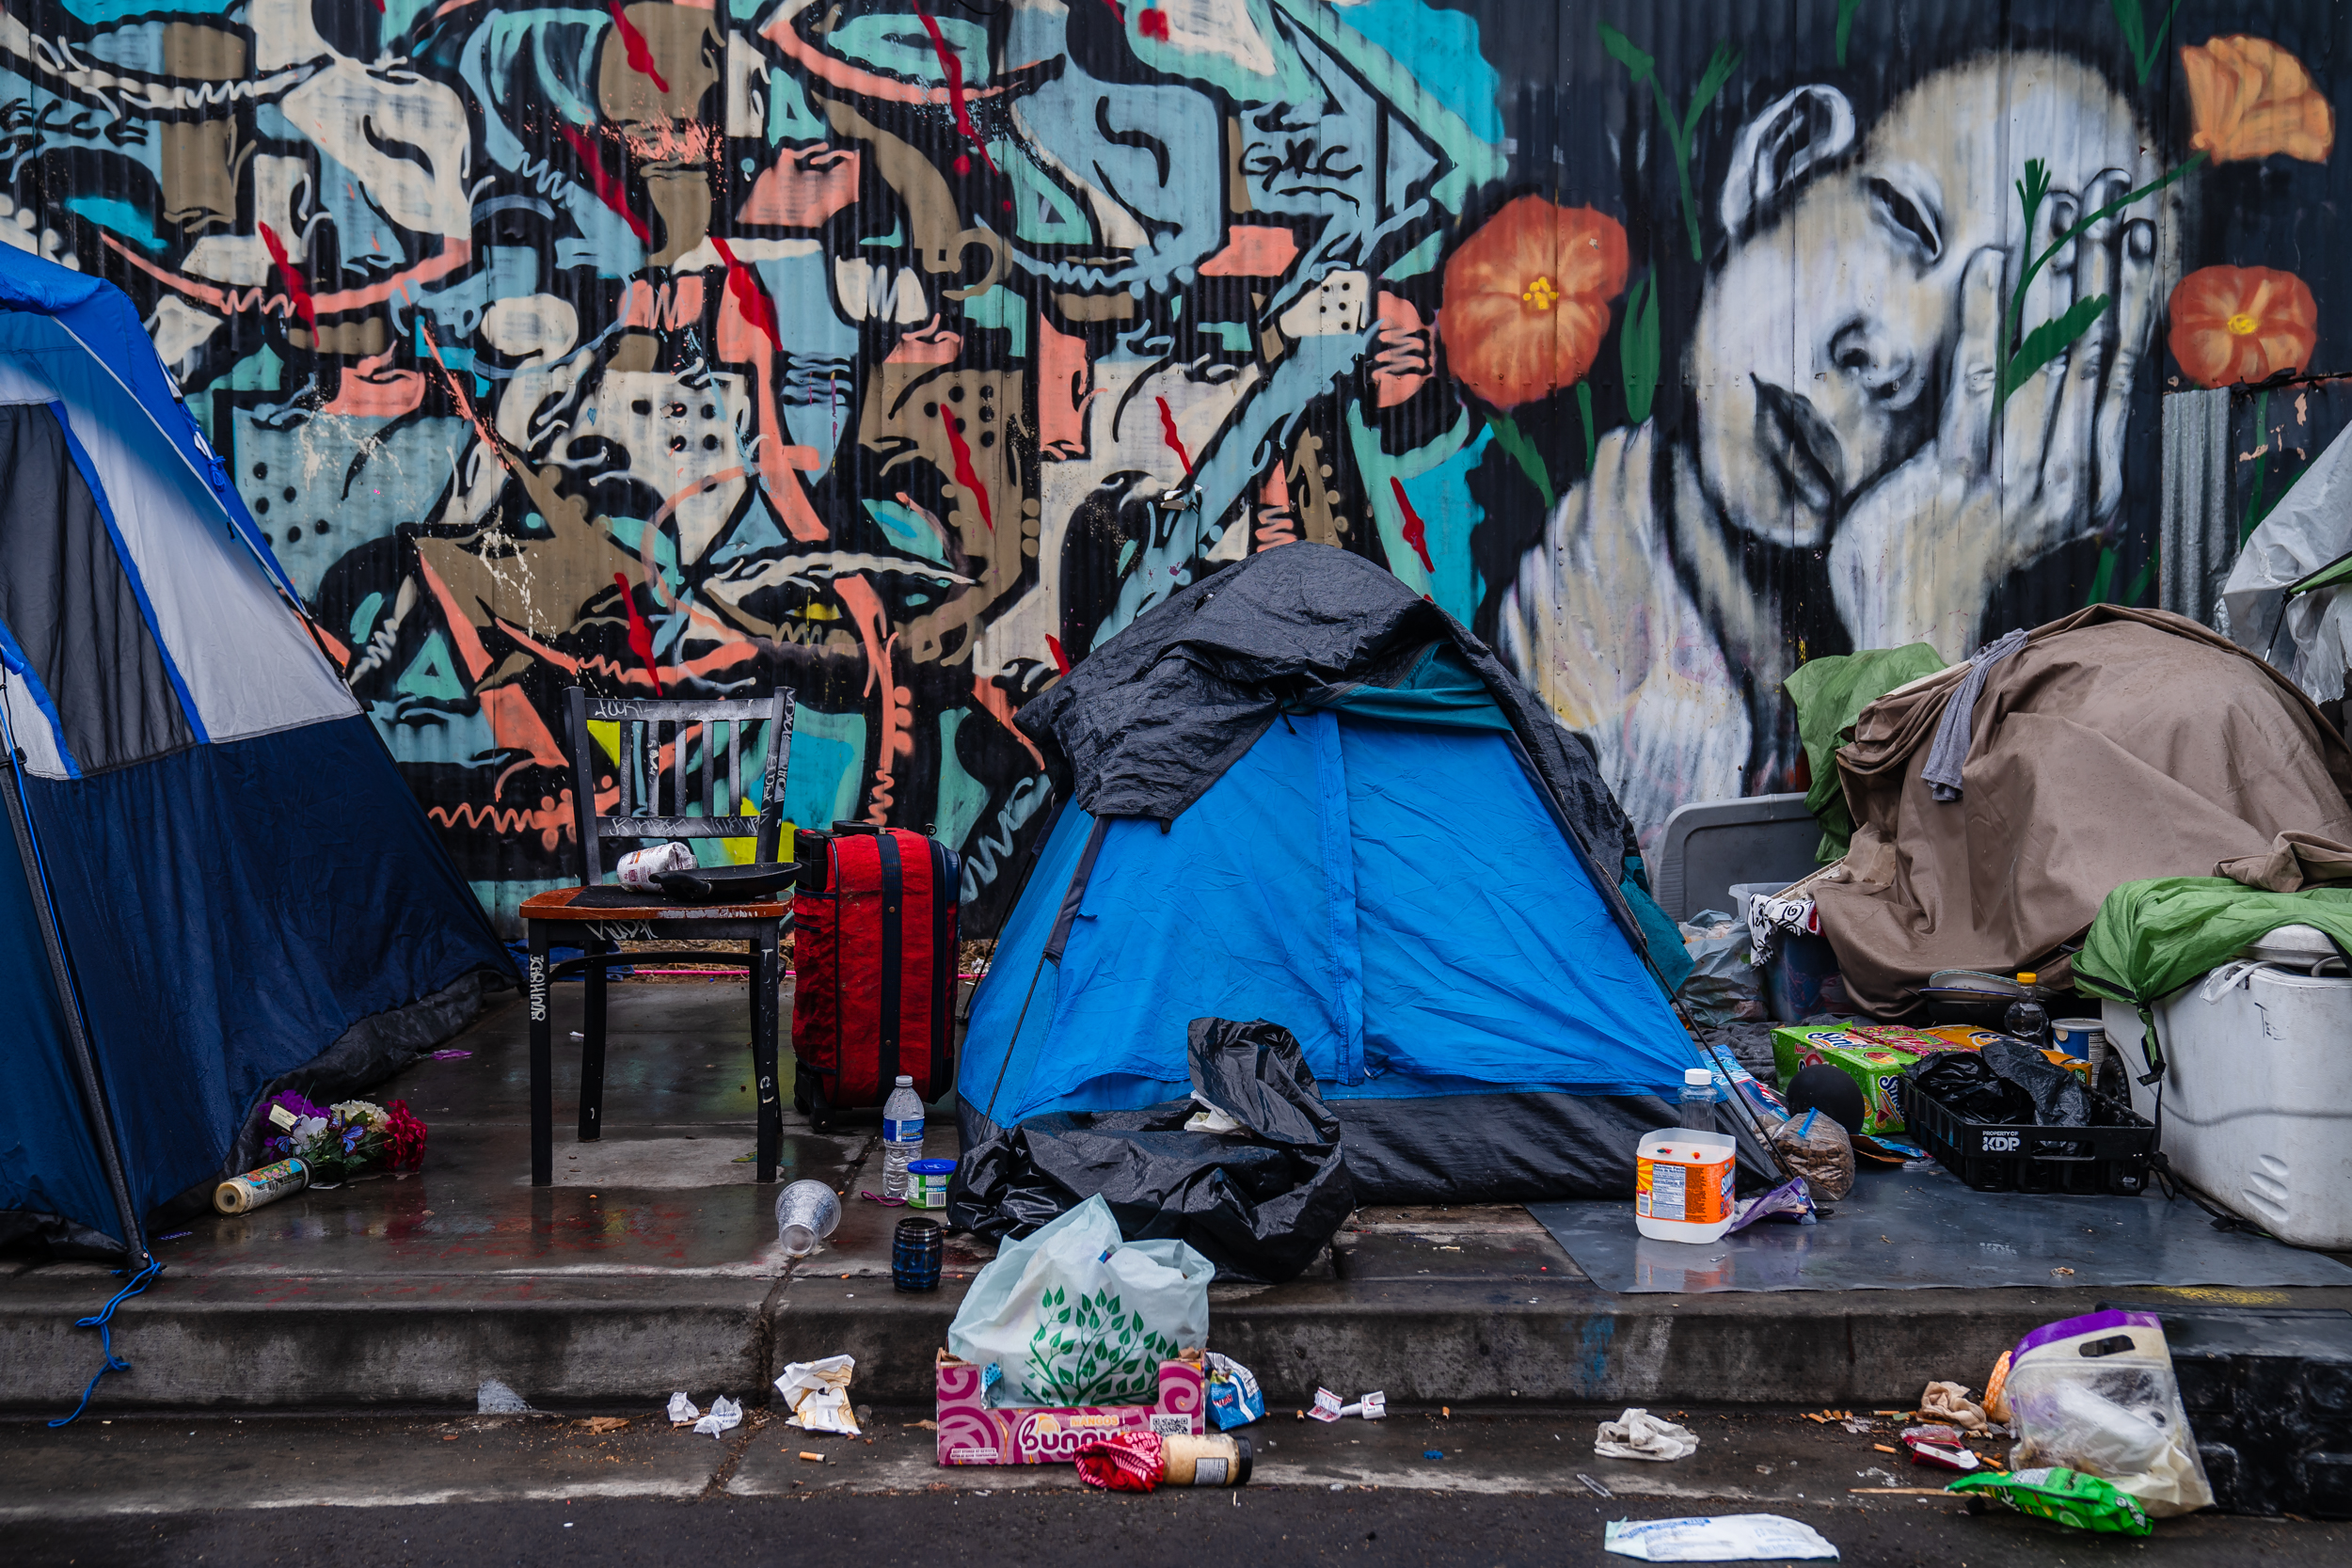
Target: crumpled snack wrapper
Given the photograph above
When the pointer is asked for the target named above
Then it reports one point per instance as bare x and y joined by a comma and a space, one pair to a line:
725, 1415
682, 1410
1639, 1435
1995, 1402
1949, 1402
818, 1393
1122, 1462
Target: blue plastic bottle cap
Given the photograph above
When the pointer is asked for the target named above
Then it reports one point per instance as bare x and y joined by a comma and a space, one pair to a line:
931, 1167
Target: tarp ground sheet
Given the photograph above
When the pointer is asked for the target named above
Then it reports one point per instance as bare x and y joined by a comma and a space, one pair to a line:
1925, 1229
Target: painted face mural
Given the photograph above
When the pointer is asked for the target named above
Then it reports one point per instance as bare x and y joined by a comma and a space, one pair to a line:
902, 353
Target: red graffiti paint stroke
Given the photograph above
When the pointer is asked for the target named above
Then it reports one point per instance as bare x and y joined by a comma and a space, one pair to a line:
1168, 433
1061, 660
1154, 24
954, 68
608, 189
749, 297
639, 52
1415, 534
965, 474
304, 306
639, 634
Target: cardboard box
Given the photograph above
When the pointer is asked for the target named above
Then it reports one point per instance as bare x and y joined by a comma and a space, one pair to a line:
970, 1433
1877, 1069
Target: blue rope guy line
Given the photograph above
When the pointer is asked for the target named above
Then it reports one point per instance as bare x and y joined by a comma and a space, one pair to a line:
102, 1320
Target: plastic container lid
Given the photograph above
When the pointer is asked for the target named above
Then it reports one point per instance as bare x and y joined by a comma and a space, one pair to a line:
906, 1081
2293, 944
931, 1167
1697, 1078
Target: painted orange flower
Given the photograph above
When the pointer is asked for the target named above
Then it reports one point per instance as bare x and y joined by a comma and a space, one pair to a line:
1527, 299
2242, 324
2249, 98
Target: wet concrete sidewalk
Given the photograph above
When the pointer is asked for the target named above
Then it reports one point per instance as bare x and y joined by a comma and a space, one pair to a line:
652, 1264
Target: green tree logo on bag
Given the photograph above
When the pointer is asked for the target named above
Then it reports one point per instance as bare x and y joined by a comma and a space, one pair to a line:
1094, 1352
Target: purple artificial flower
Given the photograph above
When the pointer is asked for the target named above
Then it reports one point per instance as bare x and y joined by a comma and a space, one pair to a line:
294, 1102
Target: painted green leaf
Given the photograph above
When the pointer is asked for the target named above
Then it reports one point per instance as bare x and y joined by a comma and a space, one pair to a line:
1621, 49
1514, 440
1845, 26
2050, 340
1719, 66
1585, 413
1636, 348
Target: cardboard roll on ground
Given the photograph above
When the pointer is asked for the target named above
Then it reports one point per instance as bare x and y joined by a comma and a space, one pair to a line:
242, 1194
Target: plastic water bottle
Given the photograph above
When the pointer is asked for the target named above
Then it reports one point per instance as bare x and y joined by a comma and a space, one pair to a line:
1698, 1100
903, 1135
2027, 1018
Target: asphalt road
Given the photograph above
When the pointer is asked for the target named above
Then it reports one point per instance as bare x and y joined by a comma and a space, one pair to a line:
866, 1530
484, 1492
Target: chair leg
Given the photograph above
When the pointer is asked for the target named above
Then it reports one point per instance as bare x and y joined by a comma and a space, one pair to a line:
542, 1063
592, 1045
765, 980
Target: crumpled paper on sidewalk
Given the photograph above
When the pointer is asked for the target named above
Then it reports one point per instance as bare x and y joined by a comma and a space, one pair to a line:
818, 1393
1639, 1435
1949, 1402
725, 1415
682, 1409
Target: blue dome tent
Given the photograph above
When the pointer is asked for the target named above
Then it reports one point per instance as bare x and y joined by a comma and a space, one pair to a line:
213, 876
1298, 792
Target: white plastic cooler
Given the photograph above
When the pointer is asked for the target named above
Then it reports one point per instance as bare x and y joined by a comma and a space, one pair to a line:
2258, 1086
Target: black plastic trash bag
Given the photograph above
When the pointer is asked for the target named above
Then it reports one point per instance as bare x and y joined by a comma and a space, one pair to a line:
1259, 1201
2006, 1083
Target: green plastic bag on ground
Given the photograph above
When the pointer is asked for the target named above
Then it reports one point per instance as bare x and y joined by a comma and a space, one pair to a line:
1075, 1315
1830, 694
2066, 1497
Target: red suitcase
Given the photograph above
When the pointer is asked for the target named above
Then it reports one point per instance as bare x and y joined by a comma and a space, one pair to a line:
874, 951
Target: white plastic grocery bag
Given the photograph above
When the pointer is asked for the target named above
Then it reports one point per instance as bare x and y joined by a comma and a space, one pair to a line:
1074, 1315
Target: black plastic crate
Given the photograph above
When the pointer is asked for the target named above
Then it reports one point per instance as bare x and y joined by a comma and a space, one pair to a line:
2030, 1158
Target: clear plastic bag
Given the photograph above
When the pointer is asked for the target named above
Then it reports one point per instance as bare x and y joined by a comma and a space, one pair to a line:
2097, 1394
1074, 1315
1813, 1146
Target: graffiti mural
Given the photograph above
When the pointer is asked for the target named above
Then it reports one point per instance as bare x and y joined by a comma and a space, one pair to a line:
899, 352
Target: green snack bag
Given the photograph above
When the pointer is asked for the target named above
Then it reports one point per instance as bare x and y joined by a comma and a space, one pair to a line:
2067, 1496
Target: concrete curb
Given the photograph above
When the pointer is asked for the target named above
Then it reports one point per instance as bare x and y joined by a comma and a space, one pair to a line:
1486, 1344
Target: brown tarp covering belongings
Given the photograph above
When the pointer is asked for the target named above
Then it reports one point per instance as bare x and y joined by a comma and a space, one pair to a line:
2116, 744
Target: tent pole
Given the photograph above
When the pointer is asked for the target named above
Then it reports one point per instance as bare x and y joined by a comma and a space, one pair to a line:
76, 1021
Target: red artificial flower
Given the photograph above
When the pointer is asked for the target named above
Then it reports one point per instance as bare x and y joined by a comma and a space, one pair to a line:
404, 1137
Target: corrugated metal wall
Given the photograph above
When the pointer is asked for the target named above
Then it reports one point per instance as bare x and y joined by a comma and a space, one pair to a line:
899, 353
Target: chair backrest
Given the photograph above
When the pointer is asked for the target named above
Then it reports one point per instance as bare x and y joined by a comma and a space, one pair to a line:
1708, 846
647, 811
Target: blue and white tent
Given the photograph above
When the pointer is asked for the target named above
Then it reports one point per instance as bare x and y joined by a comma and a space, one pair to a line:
212, 873
1296, 792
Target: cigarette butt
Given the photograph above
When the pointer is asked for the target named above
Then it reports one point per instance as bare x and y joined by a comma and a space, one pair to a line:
1890, 1412
1884, 1448
818, 1457
1817, 1420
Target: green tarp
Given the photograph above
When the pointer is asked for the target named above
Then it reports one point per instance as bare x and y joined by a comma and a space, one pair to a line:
1830, 694
2152, 937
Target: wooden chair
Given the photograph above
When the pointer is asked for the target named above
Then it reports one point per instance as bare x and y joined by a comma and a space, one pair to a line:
601, 915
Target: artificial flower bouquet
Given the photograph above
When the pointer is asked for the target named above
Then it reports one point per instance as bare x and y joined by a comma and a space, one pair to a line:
345, 1139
